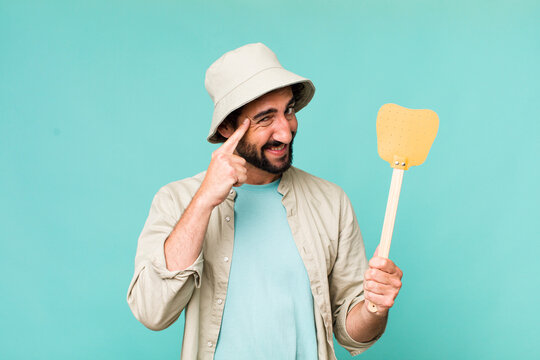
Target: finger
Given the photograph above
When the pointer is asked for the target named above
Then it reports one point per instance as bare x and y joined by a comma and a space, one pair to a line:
381, 289
382, 302
239, 169
384, 264
238, 160
231, 143
239, 173
241, 179
382, 277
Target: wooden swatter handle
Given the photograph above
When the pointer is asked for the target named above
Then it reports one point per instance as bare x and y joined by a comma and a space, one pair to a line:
389, 219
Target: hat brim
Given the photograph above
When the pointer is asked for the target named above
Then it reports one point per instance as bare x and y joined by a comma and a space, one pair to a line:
256, 86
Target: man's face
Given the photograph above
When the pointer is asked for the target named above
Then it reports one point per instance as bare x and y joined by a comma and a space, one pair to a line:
267, 144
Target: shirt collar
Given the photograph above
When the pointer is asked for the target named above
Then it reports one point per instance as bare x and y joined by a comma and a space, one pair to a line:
284, 187
285, 183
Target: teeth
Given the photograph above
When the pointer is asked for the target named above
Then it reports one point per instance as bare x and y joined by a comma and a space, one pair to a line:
277, 148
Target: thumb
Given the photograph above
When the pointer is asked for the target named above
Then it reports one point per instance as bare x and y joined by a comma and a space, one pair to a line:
376, 253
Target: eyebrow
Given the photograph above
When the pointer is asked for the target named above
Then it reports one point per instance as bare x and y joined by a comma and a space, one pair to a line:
272, 110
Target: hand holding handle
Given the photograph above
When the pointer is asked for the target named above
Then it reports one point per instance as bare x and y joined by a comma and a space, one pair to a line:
389, 220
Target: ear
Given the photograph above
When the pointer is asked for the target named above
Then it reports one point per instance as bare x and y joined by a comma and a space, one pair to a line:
225, 129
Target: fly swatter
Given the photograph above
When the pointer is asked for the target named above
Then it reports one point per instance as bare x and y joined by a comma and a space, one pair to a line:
404, 137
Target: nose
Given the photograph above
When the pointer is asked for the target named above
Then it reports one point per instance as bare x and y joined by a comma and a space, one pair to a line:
284, 128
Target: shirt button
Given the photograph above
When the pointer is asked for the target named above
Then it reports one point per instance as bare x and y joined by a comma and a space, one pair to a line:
231, 192
219, 301
227, 218
226, 259
210, 344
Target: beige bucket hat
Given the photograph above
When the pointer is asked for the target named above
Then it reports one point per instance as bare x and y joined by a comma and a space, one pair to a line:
243, 75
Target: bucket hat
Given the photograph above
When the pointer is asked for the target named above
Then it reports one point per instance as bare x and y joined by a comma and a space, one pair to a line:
244, 74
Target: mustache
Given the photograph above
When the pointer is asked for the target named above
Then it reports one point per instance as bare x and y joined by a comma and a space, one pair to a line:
272, 144
277, 143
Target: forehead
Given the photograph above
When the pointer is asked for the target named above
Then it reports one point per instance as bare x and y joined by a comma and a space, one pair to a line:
278, 97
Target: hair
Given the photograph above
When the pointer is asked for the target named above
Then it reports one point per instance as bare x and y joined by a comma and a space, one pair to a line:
232, 118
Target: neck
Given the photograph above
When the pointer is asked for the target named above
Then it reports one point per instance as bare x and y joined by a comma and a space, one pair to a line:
256, 176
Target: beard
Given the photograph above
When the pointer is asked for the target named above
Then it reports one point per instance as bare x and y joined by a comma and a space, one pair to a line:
258, 159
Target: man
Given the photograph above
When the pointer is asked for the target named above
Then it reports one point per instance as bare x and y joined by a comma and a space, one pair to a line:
284, 262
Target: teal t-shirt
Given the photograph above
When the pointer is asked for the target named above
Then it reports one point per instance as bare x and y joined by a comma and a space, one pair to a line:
268, 311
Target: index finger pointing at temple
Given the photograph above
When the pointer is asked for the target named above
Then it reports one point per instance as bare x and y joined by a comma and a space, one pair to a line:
231, 143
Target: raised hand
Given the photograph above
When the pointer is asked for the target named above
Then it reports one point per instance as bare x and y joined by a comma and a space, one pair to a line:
225, 170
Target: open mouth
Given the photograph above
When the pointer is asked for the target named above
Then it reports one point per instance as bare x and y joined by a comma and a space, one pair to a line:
277, 150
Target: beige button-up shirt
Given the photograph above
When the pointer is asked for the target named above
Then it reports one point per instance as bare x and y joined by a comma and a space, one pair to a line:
326, 233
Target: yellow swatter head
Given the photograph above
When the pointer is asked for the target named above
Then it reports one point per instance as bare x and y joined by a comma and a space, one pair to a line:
404, 136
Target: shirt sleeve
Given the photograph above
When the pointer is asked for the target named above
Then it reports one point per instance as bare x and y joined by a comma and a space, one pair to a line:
156, 295
346, 280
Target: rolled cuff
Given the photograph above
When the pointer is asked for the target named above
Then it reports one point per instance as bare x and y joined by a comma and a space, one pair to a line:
342, 336
195, 269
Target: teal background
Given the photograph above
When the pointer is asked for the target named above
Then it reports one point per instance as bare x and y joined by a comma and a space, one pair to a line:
103, 102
